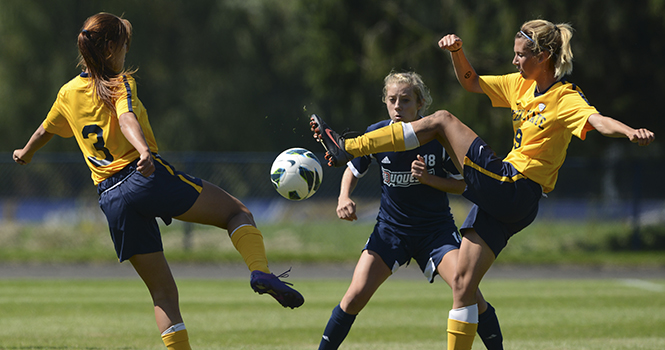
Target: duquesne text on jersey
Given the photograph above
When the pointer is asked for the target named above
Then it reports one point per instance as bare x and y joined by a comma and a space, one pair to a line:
400, 178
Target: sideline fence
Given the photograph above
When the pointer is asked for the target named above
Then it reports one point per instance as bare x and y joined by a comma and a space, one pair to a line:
57, 186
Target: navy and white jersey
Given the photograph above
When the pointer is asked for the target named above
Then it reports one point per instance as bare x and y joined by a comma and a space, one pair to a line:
405, 202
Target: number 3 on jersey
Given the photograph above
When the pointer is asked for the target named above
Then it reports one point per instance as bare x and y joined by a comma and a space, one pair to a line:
89, 130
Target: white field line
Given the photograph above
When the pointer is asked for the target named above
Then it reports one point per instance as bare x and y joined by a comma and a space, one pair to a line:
642, 284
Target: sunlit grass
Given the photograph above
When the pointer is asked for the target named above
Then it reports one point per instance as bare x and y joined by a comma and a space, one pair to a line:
534, 314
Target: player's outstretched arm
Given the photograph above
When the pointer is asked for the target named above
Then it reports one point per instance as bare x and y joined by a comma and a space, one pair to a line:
39, 138
346, 207
613, 128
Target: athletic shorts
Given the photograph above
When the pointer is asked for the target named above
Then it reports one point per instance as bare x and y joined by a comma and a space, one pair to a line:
132, 202
504, 200
396, 247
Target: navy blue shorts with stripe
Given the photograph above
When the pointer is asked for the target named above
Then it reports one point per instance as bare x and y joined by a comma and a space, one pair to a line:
505, 202
396, 247
132, 202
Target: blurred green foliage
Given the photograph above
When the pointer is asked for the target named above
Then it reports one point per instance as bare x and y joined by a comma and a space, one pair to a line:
243, 75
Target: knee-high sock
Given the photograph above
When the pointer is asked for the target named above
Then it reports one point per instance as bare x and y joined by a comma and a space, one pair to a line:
462, 326
395, 137
176, 338
336, 330
489, 329
248, 240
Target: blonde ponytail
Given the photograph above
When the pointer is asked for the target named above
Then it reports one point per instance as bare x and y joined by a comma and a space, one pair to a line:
555, 39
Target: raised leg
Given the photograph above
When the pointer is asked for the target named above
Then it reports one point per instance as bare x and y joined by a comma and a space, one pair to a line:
218, 208
454, 135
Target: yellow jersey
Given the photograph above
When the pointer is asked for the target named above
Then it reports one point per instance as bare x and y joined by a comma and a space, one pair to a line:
78, 112
544, 123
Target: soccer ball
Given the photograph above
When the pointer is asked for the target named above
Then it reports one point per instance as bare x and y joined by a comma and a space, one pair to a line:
296, 174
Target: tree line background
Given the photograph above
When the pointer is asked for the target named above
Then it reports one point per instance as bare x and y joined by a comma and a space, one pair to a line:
244, 75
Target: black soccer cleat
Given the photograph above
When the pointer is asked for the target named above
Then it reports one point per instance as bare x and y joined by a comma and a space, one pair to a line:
262, 282
333, 142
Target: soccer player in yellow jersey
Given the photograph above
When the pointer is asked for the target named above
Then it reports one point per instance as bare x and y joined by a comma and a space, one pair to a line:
546, 112
101, 109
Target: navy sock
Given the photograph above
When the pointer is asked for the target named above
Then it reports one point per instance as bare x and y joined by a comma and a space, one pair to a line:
336, 330
489, 329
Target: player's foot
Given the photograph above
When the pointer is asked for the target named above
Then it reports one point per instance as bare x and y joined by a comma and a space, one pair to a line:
333, 142
262, 282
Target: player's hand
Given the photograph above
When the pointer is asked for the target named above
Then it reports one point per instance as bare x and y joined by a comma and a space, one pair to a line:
145, 166
419, 169
450, 42
346, 209
21, 157
642, 137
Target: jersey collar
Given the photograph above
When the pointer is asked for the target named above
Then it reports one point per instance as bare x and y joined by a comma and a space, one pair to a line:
536, 93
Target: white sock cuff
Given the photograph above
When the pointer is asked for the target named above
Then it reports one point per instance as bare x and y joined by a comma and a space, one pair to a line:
234, 231
468, 314
175, 328
410, 138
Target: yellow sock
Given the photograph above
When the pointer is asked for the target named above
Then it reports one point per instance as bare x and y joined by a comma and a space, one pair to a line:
390, 138
248, 240
177, 340
460, 334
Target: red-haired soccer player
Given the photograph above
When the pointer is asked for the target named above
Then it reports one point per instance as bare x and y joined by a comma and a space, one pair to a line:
101, 109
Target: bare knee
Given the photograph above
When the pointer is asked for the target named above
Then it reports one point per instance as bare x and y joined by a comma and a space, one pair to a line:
434, 125
442, 118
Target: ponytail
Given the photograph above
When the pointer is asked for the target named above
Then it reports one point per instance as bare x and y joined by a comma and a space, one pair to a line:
99, 41
555, 39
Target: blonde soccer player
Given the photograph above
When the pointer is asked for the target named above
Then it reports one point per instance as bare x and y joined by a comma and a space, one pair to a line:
100, 108
414, 219
546, 111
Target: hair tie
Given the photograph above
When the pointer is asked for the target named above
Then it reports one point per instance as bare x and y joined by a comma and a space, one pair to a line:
534, 42
86, 32
526, 36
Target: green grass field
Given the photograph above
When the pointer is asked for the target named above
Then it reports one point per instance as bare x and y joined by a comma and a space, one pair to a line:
331, 241
535, 314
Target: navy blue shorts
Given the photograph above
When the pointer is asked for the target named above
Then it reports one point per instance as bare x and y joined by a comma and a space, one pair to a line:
504, 200
132, 202
396, 248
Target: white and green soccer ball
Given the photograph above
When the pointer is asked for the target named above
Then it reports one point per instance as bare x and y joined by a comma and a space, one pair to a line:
296, 174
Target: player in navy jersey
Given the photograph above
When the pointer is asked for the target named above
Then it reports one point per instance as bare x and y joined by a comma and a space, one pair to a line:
414, 219
101, 109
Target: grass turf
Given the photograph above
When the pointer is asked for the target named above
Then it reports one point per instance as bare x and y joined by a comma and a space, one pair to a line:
534, 314
334, 241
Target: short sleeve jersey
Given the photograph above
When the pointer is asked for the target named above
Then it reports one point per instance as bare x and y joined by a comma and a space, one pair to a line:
407, 204
543, 123
76, 112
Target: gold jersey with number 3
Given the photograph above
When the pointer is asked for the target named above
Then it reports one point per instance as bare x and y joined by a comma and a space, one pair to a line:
76, 112
543, 123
